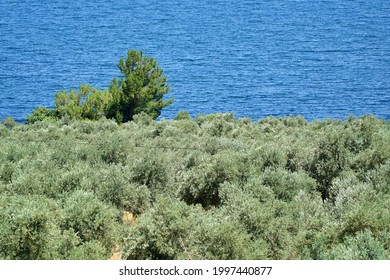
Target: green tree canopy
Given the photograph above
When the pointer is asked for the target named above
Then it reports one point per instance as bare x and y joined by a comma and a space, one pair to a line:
141, 89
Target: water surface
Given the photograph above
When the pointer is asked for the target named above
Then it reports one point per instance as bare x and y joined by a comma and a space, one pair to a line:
320, 59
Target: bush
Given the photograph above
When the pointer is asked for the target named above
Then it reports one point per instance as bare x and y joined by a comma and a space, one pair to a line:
201, 183
175, 230
4, 131
268, 156
6, 171
371, 212
112, 184
361, 247
380, 178
286, 185
27, 227
218, 125
42, 114
182, 115
150, 169
330, 159
8, 122
91, 220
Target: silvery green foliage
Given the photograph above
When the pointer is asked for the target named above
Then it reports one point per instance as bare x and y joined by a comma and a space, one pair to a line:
363, 246
210, 187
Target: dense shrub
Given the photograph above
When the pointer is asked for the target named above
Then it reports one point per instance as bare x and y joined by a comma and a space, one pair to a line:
286, 185
201, 183
9, 123
175, 230
27, 227
210, 187
42, 114
363, 246
114, 184
90, 219
380, 178
330, 159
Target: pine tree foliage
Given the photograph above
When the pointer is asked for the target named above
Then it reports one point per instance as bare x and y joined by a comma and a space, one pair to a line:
141, 89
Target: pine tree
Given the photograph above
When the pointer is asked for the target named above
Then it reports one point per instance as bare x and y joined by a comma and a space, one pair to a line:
140, 90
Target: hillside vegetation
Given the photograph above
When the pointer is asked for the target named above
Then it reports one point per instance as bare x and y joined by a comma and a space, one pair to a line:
210, 187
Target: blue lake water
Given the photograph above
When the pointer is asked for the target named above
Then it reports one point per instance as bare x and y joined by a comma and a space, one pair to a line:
320, 59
